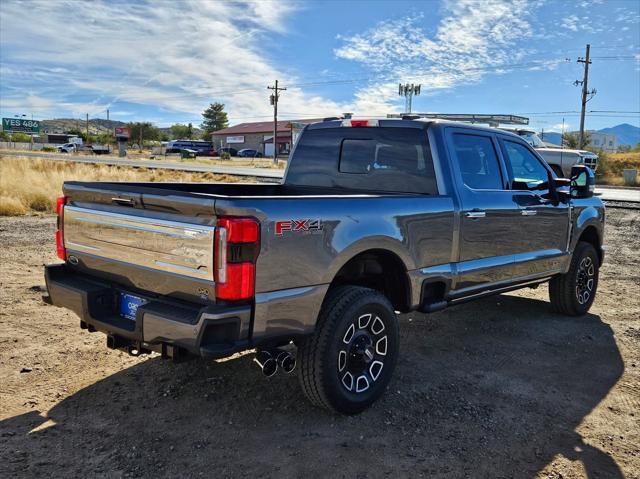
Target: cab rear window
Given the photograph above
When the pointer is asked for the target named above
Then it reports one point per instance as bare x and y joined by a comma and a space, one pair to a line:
373, 159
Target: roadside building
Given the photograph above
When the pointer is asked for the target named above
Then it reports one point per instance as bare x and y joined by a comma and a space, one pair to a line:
56, 138
601, 141
259, 136
604, 141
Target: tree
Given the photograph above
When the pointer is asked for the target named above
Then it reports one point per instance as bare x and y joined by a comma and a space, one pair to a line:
180, 131
149, 132
572, 140
215, 118
20, 138
104, 138
79, 133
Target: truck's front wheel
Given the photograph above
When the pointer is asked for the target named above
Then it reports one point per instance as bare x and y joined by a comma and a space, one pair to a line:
573, 293
348, 362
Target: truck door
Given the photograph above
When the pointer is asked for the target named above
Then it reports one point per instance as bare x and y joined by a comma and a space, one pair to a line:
487, 239
543, 222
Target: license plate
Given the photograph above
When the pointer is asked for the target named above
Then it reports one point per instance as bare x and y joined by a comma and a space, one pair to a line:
129, 304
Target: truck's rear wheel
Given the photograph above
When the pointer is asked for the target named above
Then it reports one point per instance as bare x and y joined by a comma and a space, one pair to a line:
348, 362
573, 293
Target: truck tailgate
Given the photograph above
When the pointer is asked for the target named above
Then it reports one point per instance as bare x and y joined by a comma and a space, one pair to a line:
176, 247
153, 240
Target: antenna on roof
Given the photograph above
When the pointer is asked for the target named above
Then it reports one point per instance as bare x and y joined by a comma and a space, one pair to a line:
408, 90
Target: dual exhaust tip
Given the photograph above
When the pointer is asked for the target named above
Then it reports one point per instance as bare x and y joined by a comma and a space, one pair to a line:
270, 360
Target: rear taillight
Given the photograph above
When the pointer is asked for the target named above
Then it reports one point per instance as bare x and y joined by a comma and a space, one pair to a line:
60, 249
237, 244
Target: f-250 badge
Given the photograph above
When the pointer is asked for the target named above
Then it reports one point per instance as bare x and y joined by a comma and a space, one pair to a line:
308, 226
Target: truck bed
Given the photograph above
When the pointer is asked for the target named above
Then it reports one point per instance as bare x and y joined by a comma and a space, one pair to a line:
226, 190
158, 237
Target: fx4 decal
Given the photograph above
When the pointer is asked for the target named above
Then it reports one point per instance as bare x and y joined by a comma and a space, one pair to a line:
305, 225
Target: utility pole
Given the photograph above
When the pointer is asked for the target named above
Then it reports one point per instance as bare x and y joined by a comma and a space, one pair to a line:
274, 101
107, 114
585, 93
140, 139
88, 142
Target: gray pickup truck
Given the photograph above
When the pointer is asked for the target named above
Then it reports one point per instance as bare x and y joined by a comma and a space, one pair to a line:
374, 218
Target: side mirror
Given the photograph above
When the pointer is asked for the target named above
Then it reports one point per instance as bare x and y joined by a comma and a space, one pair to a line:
583, 182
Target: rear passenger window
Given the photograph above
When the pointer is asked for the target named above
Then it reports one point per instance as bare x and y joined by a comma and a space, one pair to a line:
478, 162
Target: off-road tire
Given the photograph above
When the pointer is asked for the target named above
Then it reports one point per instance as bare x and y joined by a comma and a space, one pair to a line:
564, 289
320, 356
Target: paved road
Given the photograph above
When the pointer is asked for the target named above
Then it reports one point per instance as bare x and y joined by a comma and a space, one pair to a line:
606, 193
619, 194
153, 164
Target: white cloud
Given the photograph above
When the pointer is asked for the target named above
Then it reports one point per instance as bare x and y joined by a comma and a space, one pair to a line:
560, 127
571, 22
472, 39
177, 56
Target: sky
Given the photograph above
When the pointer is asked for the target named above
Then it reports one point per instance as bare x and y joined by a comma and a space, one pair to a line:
164, 61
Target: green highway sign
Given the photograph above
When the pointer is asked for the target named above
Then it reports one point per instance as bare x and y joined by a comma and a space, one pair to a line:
18, 125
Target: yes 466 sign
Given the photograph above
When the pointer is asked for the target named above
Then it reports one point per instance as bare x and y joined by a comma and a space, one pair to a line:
18, 125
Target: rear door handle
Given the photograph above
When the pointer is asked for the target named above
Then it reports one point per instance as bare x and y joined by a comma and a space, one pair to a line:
528, 212
475, 214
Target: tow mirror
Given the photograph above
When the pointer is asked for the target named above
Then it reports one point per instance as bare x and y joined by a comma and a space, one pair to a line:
583, 182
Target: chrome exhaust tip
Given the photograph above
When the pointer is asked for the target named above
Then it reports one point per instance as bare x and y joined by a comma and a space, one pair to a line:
286, 361
266, 362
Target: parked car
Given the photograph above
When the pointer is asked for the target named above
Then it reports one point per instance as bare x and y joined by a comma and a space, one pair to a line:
231, 151
248, 153
210, 152
95, 149
560, 159
204, 148
374, 217
67, 148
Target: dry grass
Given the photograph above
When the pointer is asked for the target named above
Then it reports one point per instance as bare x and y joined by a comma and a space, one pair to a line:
236, 161
31, 185
612, 165
146, 155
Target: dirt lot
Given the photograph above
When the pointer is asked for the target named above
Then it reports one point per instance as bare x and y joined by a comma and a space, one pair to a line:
498, 388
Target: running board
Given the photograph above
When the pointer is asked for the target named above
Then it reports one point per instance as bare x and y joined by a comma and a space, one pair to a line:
433, 307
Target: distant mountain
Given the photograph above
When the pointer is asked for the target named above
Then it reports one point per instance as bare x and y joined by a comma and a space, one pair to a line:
96, 126
627, 134
63, 125
552, 137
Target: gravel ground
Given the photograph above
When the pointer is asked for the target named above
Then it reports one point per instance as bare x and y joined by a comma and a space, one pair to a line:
497, 388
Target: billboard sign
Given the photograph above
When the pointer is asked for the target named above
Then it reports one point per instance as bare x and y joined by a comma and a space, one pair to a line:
235, 139
123, 132
20, 125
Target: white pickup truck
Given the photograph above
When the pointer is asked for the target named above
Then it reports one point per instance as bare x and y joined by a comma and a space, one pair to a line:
561, 160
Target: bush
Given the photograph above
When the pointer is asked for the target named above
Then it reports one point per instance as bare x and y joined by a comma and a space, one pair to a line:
11, 206
38, 201
611, 166
20, 138
225, 155
49, 149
